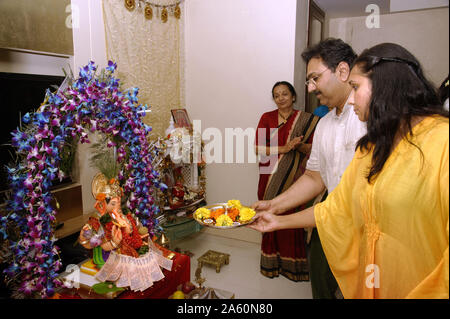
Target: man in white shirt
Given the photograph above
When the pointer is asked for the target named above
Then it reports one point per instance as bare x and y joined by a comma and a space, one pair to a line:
335, 138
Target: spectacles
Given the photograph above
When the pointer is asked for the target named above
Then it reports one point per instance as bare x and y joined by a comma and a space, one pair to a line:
315, 78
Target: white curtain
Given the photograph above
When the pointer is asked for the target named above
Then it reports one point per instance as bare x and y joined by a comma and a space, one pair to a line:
149, 55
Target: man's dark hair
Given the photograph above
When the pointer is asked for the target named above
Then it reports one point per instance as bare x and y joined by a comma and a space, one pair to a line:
332, 52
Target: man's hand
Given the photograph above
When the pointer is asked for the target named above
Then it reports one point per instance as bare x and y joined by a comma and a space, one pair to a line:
264, 206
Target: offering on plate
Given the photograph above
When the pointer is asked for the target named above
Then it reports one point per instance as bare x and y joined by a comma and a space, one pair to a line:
224, 215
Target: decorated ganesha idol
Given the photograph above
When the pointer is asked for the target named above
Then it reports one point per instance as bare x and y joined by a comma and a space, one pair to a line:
120, 244
111, 229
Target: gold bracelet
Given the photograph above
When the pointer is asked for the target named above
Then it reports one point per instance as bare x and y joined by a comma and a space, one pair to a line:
113, 244
84, 242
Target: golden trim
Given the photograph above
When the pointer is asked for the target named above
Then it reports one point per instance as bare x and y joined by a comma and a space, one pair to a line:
130, 5
174, 8
164, 15
148, 12
177, 12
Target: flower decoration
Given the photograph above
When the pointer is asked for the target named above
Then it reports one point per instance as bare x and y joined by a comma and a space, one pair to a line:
91, 103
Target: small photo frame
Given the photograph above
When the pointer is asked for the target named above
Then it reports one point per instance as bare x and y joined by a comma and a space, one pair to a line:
181, 118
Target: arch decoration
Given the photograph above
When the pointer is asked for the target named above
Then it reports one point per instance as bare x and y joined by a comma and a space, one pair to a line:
93, 102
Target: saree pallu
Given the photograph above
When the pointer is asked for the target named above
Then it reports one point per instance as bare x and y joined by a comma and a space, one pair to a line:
284, 251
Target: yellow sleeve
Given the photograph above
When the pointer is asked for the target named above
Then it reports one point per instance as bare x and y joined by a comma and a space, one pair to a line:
435, 285
444, 181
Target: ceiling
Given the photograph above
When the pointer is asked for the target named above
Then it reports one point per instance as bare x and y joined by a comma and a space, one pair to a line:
355, 8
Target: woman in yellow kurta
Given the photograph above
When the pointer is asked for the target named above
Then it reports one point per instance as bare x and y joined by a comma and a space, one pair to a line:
384, 229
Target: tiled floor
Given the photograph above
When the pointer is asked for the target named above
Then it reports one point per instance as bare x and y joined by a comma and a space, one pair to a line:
241, 275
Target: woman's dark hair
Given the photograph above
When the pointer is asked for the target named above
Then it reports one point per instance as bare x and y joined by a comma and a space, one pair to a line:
400, 91
332, 52
443, 90
289, 85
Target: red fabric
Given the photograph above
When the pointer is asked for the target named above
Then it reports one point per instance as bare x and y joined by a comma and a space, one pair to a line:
180, 273
130, 242
289, 242
267, 124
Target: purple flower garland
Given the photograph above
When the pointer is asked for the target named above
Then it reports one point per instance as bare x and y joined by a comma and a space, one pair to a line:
92, 103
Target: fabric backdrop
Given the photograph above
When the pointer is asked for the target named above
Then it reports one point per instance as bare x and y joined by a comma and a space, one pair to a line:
149, 55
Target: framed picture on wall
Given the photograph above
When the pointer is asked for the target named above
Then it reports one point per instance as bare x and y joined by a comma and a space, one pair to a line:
181, 118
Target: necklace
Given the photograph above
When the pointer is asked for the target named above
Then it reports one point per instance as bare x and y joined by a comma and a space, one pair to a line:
284, 118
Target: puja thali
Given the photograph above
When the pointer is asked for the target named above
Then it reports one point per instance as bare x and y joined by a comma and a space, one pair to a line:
224, 215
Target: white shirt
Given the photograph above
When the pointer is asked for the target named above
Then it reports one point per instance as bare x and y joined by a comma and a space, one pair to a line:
334, 144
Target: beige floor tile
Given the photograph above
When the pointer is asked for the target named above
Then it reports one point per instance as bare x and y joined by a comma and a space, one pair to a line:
241, 275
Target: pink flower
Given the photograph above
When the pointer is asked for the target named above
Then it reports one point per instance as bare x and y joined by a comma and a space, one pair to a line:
28, 183
34, 153
110, 144
55, 122
28, 287
93, 125
60, 175
31, 165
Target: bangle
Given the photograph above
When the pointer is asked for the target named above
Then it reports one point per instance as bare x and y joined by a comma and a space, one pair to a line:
113, 244
84, 242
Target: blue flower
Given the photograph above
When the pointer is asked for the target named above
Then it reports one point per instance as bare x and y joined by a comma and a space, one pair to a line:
116, 115
26, 118
41, 119
111, 66
53, 98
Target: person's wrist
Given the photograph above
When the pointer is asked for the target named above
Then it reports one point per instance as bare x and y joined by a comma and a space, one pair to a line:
281, 222
274, 207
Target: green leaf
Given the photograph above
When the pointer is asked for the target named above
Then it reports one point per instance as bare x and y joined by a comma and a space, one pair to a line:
106, 218
106, 287
143, 250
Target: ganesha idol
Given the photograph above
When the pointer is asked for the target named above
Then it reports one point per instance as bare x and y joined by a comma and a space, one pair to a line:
120, 244
110, 229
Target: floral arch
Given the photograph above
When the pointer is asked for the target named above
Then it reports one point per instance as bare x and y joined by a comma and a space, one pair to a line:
91, 103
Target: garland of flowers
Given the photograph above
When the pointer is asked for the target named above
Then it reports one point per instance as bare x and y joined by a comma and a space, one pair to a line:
92, 103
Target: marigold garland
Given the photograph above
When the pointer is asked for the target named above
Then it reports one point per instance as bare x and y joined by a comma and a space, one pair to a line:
91, 103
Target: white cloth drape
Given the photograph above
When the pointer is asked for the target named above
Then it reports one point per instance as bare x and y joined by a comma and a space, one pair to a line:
149, 55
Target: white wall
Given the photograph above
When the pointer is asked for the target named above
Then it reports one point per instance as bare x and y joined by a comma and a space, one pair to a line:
89, 44
424, 33
235, 51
